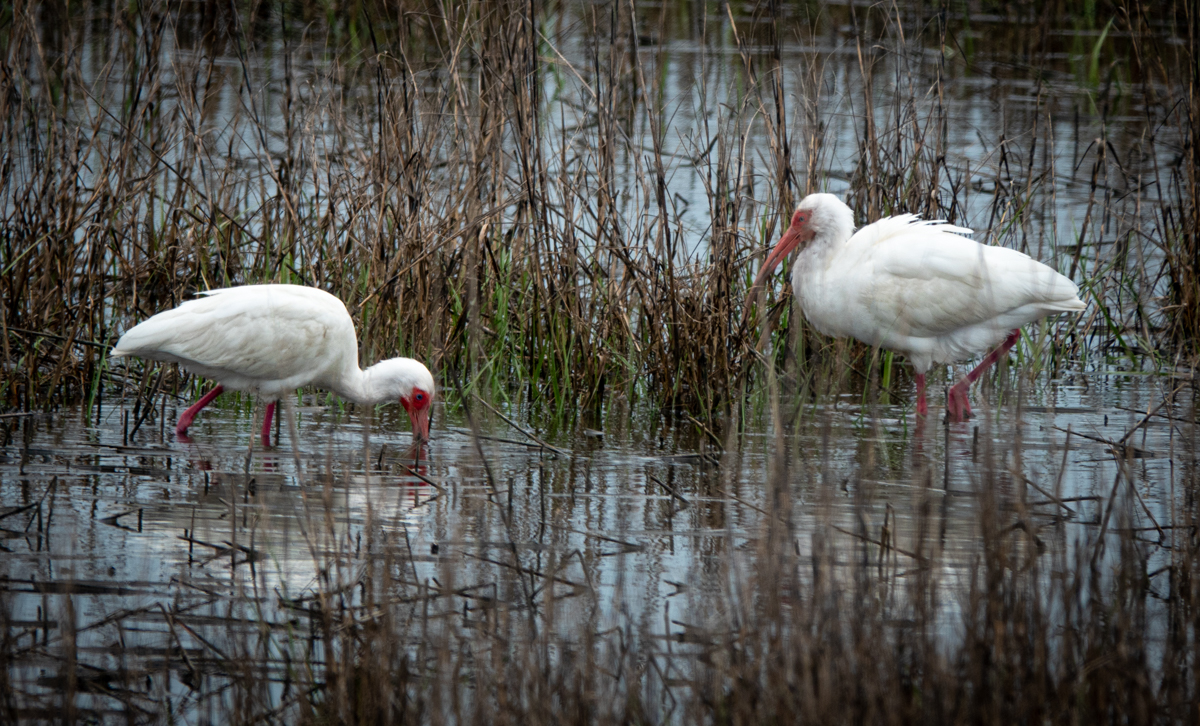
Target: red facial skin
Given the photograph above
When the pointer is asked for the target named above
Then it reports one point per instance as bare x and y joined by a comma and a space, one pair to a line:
796, 234
417, 404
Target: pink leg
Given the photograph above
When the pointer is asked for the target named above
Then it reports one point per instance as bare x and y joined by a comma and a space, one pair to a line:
266, 429
957, 405
186, 419
922, 407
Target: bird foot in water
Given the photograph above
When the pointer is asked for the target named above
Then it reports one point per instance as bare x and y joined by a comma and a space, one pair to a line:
958, 407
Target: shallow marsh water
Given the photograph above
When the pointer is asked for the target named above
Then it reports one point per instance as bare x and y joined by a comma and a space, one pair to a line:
642, 527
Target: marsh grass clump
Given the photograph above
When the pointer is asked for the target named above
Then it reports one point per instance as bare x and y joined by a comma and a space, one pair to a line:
497, 192
418, 177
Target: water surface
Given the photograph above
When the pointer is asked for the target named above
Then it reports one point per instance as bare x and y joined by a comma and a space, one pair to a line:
644, 526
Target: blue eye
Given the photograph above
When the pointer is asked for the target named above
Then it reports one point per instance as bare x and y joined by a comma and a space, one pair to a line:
420, 397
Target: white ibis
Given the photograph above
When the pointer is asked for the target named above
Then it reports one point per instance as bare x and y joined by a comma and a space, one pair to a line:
270, 340
916, 287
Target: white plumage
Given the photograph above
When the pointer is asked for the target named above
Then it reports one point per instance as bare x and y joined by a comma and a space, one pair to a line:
270, 340
916, 287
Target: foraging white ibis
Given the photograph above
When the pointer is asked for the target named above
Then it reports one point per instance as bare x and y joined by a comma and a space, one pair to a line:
916, 287
271, 340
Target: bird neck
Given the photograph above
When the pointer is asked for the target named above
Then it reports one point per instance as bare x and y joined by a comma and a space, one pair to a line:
356, 385
816, 254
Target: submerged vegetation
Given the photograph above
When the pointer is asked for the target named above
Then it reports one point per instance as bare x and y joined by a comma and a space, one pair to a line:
559, 208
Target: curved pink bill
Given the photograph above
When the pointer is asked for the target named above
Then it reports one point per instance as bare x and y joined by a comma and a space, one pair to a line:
778, 254
420, 422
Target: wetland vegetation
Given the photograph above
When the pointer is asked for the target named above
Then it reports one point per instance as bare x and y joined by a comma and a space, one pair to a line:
634, 508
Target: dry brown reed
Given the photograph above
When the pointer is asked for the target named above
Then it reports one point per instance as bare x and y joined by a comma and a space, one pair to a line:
410, 177
413, 170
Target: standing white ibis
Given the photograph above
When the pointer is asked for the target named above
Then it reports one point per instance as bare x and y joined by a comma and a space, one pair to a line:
270, 340
916, 287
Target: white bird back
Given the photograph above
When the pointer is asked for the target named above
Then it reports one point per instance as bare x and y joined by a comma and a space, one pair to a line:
268, 339
921, 288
